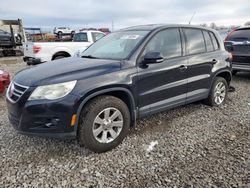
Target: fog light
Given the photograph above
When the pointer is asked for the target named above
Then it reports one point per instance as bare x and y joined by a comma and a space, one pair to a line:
73, 120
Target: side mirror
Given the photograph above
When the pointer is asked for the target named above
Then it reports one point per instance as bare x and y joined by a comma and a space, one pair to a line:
152, 58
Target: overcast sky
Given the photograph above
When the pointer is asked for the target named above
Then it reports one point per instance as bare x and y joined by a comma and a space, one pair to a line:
100, 13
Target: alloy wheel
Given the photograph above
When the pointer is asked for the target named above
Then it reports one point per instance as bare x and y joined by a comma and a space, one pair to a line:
107, 125
219, 93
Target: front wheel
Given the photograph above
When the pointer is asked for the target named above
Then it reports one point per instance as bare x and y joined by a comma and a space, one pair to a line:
218, 92
104, 123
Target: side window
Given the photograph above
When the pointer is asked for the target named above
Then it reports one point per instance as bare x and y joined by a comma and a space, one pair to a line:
215, 42
208, 41
97, 36
195, 41
167, 42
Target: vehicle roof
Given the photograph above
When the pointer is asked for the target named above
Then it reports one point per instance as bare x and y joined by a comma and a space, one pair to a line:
151, 27
242, 28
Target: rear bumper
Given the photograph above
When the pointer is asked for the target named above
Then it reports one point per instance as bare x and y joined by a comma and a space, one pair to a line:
32, 61
241, 67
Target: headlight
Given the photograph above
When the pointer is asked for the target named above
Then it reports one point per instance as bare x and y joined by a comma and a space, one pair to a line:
52, 92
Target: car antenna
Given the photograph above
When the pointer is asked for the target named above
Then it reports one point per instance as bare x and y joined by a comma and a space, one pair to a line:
191, 18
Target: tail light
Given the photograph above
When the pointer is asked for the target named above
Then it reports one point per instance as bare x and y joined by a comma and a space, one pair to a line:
230, 57
36, 49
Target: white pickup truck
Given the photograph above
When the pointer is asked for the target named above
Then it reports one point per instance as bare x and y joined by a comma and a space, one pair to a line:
39, 52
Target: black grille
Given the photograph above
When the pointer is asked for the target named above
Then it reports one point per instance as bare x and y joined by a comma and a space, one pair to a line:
15, 91
241, 48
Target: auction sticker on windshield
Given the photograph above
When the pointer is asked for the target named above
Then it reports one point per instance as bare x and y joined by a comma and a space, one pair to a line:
130, 37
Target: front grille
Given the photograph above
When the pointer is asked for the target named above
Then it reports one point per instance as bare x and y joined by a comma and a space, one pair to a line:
15, 91
241, 48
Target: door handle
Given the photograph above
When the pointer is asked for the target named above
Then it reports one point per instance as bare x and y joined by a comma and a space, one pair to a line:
183, 68
214, 61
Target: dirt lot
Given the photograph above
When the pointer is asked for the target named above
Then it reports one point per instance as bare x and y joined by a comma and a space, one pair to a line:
198, 146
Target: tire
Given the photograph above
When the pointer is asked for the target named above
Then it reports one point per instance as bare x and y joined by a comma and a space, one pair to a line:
89, 122
59, 57
212, 100
59, 34
234, 72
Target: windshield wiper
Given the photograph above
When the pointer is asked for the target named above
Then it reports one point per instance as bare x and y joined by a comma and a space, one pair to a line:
89, 56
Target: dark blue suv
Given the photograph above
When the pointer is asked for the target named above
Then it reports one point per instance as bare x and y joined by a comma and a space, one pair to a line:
129, 74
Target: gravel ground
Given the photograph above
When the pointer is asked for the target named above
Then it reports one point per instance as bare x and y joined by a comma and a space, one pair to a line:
192, 146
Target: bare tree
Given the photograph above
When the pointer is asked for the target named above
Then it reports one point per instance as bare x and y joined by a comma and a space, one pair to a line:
213, 25
203, 25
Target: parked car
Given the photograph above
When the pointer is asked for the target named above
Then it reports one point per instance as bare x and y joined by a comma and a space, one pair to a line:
39, 52
4, 80
63, 31
5, 39
129, 74
238, 43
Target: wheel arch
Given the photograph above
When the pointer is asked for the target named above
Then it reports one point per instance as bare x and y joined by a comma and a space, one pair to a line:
122, 93
61, 53
226, 74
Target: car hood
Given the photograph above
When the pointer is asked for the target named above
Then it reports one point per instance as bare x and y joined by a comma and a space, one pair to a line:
64, 70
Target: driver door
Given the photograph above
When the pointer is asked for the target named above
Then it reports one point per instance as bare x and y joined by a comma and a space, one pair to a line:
163, 85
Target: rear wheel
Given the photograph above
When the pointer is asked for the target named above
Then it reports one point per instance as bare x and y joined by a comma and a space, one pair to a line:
104, 123
218, 93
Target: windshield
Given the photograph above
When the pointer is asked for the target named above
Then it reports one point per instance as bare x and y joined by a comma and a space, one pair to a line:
116, 45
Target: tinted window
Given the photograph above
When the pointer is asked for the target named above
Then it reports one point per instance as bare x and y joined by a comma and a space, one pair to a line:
215, 42
208, 41
168, 42
80, 37
97, 36
195, 41
239, 35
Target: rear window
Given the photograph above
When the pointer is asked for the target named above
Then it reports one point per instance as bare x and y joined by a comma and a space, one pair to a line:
239, 35
80, 37
195, 40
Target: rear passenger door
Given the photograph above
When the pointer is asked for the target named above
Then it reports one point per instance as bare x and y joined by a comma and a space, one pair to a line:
163, 85
202, 55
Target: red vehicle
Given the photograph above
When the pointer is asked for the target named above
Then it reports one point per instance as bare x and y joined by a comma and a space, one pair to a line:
4, 80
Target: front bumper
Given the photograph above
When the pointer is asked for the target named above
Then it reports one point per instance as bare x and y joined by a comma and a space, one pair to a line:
43, 117
32, 61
